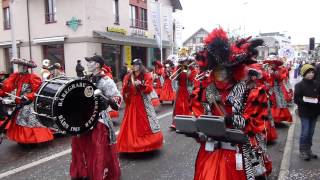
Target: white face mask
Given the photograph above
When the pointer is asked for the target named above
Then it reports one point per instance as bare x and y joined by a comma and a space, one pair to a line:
92, 66
136, 67
22, 69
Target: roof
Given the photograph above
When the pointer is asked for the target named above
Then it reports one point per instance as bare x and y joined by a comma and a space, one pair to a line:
128, 40
201, 29
176, 4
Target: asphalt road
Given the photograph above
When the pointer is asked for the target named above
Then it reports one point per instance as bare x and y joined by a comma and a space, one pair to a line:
175, 161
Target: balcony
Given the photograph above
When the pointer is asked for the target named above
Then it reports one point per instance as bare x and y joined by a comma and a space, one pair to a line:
137, 23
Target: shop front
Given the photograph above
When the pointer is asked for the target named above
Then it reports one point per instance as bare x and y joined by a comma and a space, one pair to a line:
112, 55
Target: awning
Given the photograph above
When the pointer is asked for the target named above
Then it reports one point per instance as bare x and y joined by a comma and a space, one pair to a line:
48, 40
129, 40
8, 43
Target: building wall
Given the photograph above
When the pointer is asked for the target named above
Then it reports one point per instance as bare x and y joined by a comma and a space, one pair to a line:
94, 16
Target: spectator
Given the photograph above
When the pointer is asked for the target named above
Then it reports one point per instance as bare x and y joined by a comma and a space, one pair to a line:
306, 96
123, 71
79, 69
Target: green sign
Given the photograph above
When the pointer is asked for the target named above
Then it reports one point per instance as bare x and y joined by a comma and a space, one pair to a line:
74, 23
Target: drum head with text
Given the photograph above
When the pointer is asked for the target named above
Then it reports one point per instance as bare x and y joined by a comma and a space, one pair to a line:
76, 107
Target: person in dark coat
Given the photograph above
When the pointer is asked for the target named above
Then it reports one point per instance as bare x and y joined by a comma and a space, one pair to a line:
123, 71
306, 96
79, 69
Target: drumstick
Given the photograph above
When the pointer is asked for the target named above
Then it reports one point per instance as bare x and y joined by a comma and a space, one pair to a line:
13, 95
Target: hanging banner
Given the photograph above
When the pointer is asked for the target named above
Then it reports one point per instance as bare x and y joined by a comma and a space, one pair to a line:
127, 55
155, 17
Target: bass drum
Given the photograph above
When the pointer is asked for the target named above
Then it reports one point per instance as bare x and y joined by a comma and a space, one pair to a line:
67, 104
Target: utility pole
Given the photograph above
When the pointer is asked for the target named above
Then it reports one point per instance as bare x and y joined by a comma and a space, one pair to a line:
13, 37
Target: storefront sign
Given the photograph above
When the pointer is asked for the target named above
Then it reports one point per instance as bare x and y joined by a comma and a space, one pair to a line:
117, 30
139, 32
74, 23
127, 53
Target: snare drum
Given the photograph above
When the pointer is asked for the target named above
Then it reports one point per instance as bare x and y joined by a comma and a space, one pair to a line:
68, 104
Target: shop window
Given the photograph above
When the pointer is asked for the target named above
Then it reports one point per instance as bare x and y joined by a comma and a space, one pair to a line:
112, 56
55, 53
6, 18
116, 11
51, 9
8, 57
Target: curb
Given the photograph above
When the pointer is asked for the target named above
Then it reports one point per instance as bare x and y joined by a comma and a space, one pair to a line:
285, 162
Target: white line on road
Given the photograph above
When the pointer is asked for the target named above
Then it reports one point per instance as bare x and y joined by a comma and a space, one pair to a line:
35, 163
51, 157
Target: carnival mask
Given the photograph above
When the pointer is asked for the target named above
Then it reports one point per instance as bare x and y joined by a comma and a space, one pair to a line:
136, 67
221, 74
92, 67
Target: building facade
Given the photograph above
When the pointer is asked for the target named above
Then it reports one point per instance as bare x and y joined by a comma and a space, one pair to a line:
67, 30
273, 41
195, 41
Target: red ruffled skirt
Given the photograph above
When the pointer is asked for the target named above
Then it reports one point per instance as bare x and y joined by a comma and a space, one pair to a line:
135, 132
182, 106
281, 114
167, 93
220, 164
93, 157
27, 135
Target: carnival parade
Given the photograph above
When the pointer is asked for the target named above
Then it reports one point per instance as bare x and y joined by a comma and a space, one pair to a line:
132, 103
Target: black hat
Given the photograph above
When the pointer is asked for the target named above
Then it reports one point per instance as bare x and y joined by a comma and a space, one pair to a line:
96, 58
136, 62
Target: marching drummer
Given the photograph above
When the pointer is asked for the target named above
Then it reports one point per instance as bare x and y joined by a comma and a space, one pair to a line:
94, 154
21, 87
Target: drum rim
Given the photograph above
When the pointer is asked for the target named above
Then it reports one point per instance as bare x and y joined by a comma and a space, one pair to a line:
53, 114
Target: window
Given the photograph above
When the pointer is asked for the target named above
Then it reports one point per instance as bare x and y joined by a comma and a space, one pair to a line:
133, 16
51, 10
144, 19
8, 57
54, 52
138, 17
6, 18
116, 11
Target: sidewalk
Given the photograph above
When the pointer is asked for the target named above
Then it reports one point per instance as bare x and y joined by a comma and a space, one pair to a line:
292, 167
300, 169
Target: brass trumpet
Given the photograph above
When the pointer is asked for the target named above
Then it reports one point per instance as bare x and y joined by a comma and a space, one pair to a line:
203, 75
181, 69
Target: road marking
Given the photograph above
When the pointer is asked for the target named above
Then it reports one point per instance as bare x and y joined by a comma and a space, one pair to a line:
285, 162
35, 163
51, 157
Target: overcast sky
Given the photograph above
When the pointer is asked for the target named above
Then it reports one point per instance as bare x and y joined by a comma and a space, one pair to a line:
300, 19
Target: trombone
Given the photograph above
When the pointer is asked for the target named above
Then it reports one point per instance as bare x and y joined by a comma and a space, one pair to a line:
203, 75
181, 69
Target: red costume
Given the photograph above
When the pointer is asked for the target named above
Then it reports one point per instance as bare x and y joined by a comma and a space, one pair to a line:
139, 130
279, 107
228, 94
158, 77
185, 89
167, 92
24, 127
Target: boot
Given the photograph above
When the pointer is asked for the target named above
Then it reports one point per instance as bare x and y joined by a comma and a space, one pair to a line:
304, 155
311, 154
